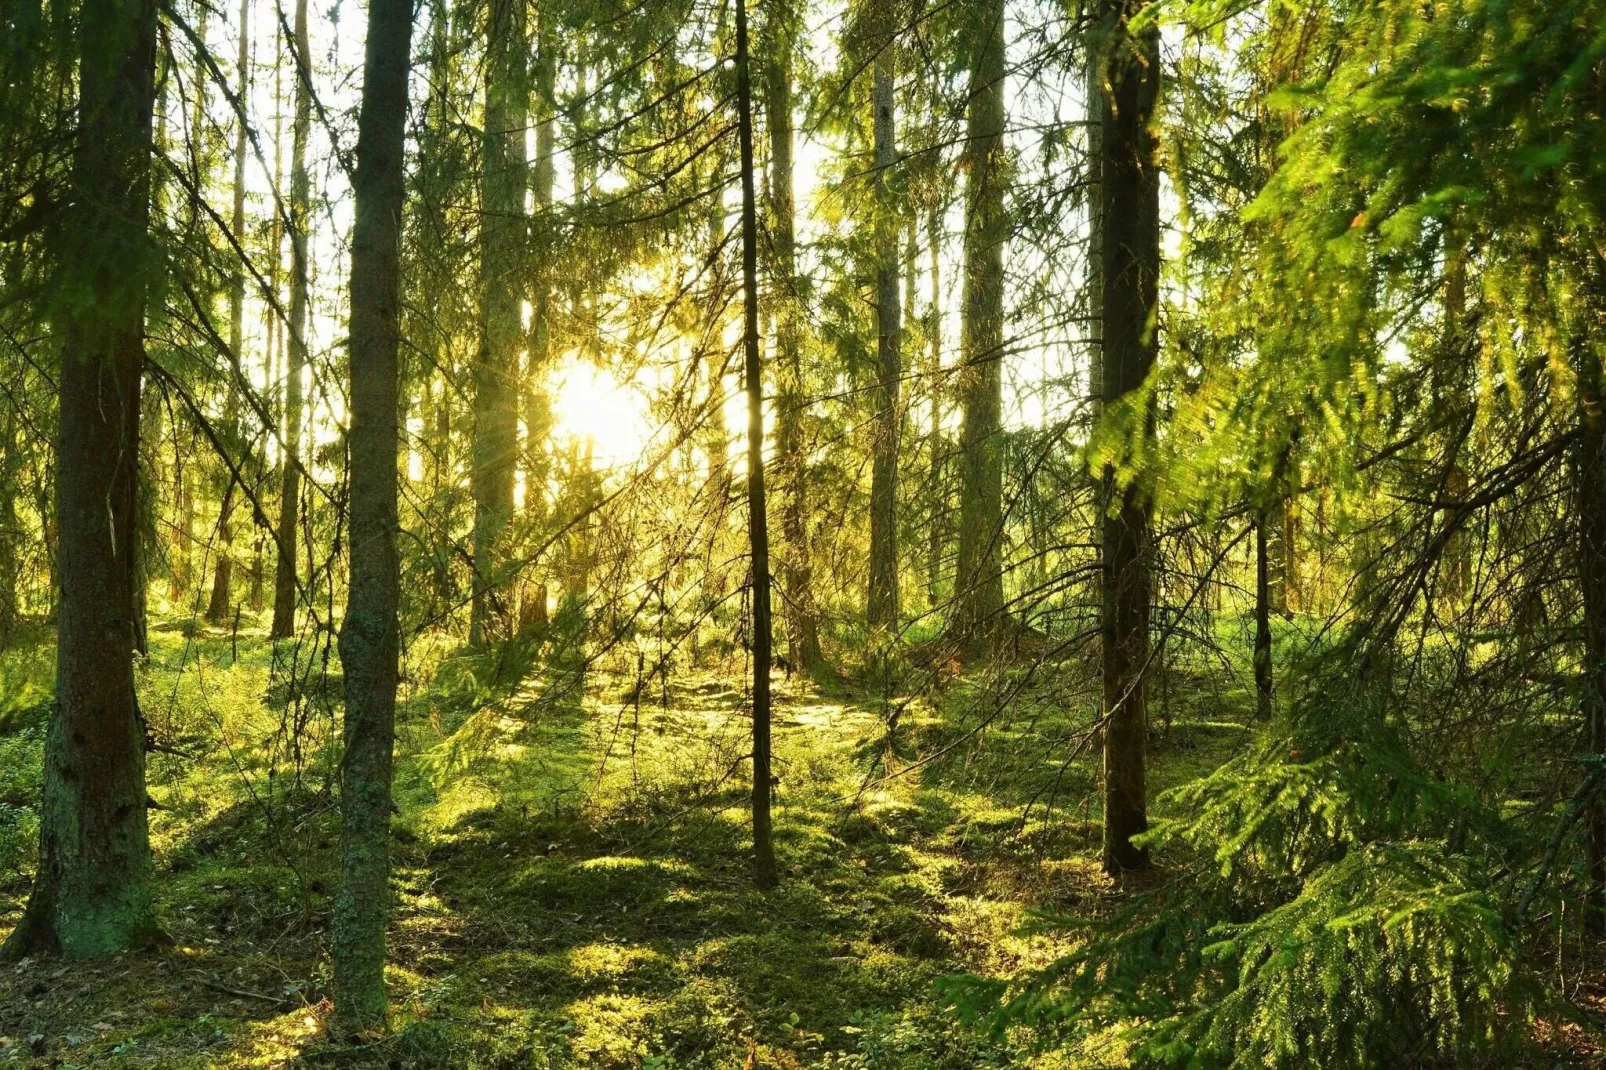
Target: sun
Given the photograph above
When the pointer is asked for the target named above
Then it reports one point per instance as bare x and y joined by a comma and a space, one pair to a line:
589, 403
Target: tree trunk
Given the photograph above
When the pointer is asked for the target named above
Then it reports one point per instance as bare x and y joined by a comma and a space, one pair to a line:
1130, 206
979, 582
1263, 610
764, 869
284, 575
937, 536
883, 596
538, 362
1591, 490
222, 602
797, 571
503, 179
91, 895
10, 534
369, 635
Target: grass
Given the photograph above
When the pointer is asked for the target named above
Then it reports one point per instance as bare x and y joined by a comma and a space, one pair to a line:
571, 876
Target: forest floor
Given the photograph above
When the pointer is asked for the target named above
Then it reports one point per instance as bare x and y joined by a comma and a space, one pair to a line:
572, 878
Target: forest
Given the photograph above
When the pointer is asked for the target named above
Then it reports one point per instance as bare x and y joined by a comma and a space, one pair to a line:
857, 534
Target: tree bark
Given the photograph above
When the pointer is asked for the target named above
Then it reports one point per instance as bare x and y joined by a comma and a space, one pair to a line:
882, 606
1591, 491
91, 895
538, 360
10, 533
797, 570
369, 634
765, 873
1130, 207
979, 582
222, 602
1263, 611
503, 182
937, 536
285, 585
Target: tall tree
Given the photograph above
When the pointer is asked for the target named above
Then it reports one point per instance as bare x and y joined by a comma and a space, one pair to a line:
764, 870
285, 584
10, 532
503, 183
797, 573
369, 634
979, 581
1129, 193
538, 355
883, 595
222, 600
91, 895
1262, 656
1591, 551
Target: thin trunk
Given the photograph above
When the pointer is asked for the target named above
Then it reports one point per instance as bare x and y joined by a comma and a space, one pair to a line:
882, 608
10, 534
504, 180
979, 583
538, 362
1093, 103
285, 585
223, 578
937, 535
765, 873
369, 635
1130, 206
1591, 491
1263, 610
92, 892
183, 571
797, 571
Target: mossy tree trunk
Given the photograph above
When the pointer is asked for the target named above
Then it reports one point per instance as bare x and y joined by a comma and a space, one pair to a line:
91, 895
979, 580
369, 634
502, 269
797, 569
1130, 211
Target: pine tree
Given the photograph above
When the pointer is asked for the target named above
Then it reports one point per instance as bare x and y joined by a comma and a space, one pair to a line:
369, 634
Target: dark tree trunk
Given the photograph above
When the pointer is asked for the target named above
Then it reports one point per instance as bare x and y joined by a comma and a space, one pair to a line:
10, 535
91, 895
883, 595
369, 639
797, 570
496, 394
765, 873
1591, 475
1263, 611
1130, 210
221, 603
979, 582
285, 585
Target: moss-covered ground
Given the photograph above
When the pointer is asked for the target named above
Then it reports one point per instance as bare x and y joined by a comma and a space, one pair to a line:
571, 878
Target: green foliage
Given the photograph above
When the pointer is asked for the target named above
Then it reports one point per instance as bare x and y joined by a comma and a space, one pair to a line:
1332, 906
21, 775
